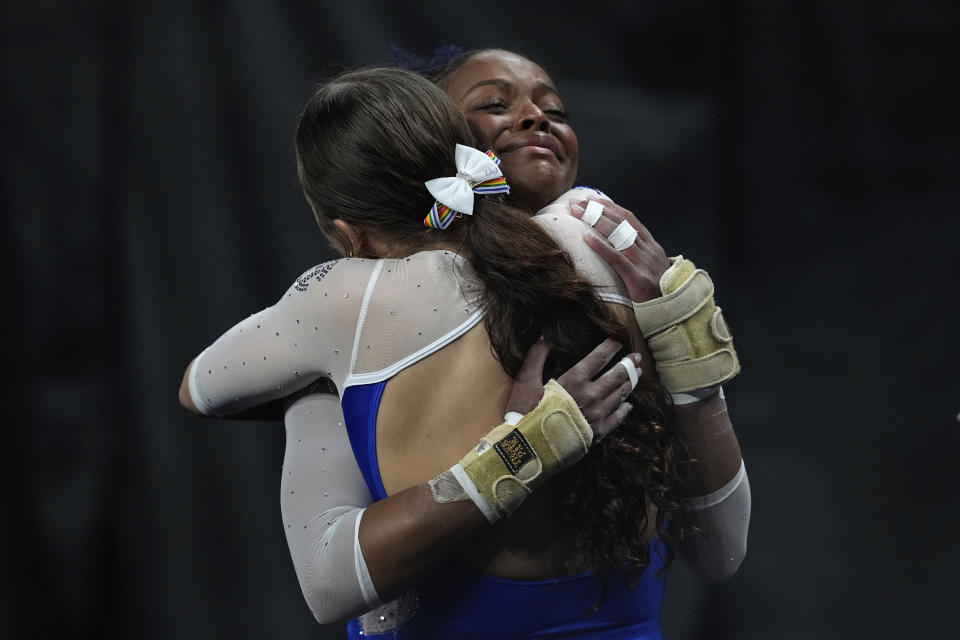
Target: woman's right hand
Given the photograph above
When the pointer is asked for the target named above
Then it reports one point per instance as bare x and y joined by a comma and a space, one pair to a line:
601, 399
640, 265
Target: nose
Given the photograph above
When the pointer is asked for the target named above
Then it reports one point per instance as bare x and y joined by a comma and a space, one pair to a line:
531, 117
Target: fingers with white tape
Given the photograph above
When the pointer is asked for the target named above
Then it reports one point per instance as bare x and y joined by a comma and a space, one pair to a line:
631, 371
592, 213
623, 236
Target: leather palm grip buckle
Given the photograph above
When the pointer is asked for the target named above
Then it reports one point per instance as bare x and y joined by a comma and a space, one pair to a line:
686, 332
512, 460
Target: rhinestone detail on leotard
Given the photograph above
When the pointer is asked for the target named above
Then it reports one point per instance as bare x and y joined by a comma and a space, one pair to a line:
316, 273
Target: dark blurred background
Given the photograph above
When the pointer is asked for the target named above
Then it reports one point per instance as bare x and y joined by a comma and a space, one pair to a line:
806, 153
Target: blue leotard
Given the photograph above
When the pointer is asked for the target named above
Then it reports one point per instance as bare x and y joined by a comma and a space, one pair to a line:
457, 603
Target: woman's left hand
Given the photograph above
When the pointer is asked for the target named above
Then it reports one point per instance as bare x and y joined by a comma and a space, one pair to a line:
601, 398
641, 264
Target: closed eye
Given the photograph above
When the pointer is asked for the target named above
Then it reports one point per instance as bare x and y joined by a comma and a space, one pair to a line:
493, 105
560, 115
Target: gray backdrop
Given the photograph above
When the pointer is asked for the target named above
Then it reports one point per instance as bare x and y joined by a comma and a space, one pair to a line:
804, 152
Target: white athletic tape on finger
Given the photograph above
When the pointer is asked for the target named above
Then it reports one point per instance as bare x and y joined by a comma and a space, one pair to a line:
631, 371
623, 236
592, 213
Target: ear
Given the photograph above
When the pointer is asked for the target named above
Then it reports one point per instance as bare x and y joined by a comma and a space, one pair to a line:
351, 234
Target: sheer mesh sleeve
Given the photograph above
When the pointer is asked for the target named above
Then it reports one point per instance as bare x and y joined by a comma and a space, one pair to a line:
322, 497
351, 321
307, 334
716, 548
291, 347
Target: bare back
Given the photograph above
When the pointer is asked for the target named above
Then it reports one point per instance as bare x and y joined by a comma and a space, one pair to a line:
419, 439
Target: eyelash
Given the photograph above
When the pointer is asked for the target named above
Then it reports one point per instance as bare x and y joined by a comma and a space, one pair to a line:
494, 104
498, 104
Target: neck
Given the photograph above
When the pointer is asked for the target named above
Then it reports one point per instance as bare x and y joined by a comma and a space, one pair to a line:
382, 249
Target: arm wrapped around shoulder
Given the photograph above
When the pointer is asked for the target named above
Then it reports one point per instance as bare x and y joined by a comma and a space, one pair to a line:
513, 459
686, 332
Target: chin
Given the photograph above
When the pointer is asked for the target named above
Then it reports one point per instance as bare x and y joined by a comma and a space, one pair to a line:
541, 184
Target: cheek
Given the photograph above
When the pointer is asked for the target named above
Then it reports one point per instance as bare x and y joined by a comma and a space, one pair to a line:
484, 129
572, 145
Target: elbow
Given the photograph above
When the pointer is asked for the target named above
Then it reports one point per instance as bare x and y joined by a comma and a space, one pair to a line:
329, 617
324, 559
711, 558
724, 568
717, 544
321, 600
328, 607
183, 394
332, 596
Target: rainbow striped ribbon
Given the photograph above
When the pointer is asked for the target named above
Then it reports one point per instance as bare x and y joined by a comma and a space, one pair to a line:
441, 215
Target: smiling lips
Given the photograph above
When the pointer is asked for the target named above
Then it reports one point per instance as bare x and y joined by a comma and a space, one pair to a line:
533, 144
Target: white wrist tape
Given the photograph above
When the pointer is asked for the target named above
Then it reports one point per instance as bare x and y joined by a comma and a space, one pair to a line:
695, 395
486, 508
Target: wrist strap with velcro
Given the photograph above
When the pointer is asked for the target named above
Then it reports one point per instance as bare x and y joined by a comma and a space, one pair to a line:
686, 332
512, 460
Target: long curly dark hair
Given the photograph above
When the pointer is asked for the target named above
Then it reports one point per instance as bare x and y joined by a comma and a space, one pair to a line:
365, 144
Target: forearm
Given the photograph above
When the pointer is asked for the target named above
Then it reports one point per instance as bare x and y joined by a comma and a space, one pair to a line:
272, 410
408, 535
712, 448
271, 354
716, 489
351, 559
693, 350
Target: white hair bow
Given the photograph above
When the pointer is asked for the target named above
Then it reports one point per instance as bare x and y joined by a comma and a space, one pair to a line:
477, 172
